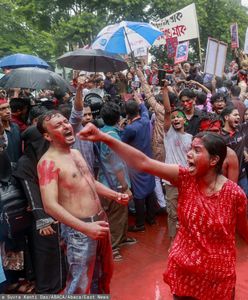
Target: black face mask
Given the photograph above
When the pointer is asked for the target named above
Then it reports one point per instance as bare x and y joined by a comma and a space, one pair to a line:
5, 167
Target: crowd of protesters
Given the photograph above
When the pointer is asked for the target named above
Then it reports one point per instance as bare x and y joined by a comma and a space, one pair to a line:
80, 190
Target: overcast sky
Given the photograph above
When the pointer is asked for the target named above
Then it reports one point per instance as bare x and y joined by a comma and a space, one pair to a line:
245, 2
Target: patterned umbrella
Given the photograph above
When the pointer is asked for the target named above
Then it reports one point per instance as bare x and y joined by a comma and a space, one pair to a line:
126, 37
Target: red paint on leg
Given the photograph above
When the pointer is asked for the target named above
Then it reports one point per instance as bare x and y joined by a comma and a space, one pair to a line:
47, 172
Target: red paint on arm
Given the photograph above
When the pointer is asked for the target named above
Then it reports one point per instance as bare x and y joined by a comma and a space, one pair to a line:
47, 172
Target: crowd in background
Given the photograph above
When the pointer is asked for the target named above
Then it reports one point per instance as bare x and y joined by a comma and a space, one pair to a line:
140, 107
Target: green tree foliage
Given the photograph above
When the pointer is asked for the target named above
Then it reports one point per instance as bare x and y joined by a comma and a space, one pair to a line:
49, 28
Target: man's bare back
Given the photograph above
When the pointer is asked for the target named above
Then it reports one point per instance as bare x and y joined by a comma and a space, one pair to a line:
76, 186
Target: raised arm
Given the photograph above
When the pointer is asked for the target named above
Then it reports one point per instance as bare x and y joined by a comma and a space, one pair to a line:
133, 157
201, 86
79, 101
167, 107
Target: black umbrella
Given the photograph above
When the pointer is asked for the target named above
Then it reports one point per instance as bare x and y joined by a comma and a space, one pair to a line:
33, 78
93, 60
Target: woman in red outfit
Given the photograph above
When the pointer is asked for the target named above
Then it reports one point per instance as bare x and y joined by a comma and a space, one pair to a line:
201, 263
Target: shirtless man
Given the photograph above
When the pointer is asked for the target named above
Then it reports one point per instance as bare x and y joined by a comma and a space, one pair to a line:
70, 195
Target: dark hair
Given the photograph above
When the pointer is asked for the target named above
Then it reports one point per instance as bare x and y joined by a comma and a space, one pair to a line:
235, 90
173, 99
179, 110
65, 110
228, 84
132, 108
47, 115
227, 111
217, 96
215, 145
17, 104
187, 93
219, 82
110, 113
36, 111
201, 98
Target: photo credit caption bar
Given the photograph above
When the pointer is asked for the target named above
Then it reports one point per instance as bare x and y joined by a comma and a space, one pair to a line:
54, 297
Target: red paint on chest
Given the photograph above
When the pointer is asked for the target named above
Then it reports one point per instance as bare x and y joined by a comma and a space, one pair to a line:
47, 172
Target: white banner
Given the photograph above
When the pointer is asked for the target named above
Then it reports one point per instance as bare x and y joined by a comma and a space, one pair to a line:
182, 24
246, 42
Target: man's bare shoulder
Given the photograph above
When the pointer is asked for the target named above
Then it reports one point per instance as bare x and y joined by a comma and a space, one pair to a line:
231, 154
49, 157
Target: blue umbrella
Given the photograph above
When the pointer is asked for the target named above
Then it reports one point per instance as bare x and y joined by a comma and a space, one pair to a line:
20, 60
125, 37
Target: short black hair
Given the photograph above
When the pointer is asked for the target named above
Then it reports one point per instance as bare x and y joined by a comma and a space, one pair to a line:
227, 111
132, 108
36, 111
187, 93
179, 110
201, 98
65, 110
217, 96
47, 115
110, 112
17, 104
235, 90
228, 84
173, 99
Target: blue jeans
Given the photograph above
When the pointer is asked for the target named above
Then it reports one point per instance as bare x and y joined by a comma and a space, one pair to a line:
90, 263
243, 183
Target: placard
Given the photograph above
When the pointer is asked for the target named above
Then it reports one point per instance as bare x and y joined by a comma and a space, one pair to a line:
234, 36
215, 57
246, 42
182, 52
171, 46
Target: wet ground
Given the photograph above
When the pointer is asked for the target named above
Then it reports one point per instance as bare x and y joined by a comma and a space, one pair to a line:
139, 275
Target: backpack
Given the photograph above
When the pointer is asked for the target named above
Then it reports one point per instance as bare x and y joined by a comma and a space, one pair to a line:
14, 215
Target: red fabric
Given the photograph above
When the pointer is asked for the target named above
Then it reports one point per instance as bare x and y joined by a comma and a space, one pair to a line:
201, 263
3, 101
22, 125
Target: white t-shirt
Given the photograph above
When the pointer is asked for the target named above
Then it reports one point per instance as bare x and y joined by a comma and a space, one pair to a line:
176, 145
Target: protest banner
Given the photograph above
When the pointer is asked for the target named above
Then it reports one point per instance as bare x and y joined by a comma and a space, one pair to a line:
171, 46
234, 36
215, 57
182, 24
141, 51
246, 42
182, 52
